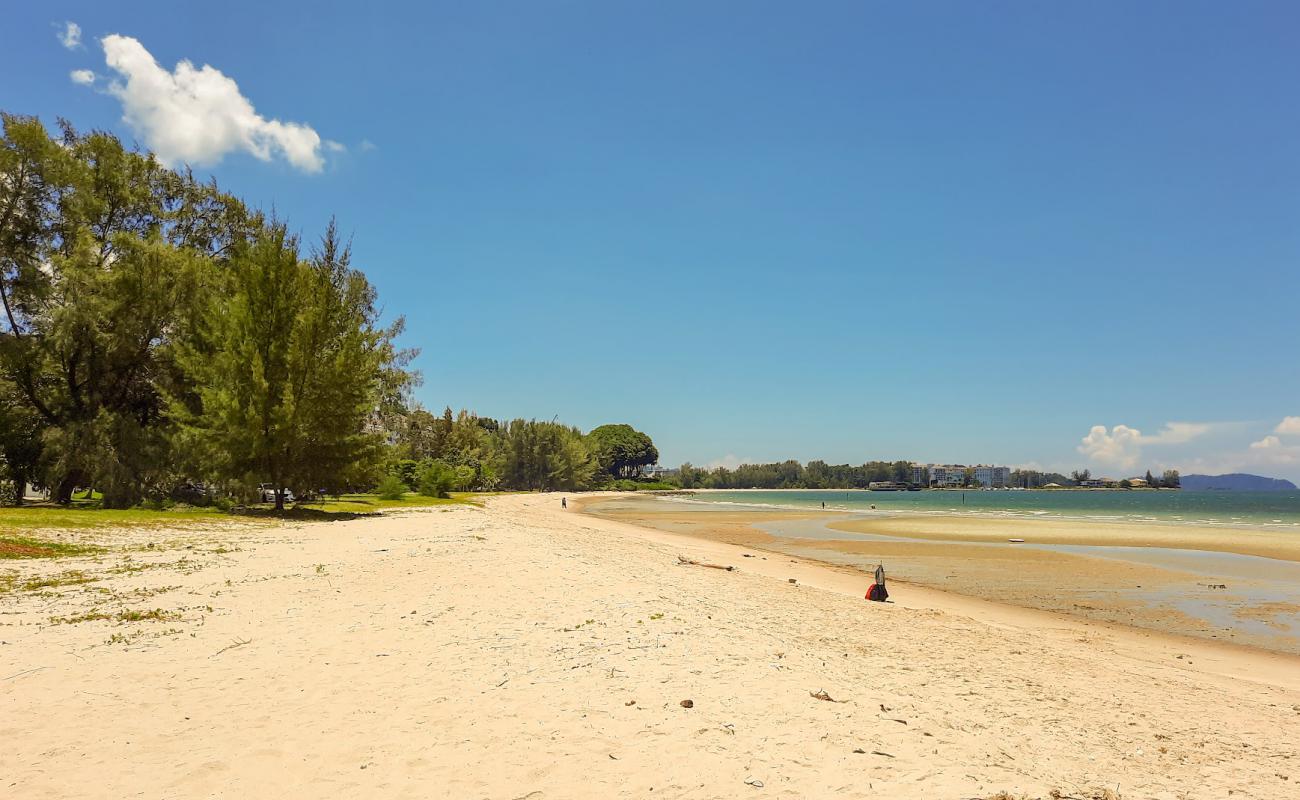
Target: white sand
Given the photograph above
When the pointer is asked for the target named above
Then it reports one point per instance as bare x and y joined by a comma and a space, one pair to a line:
497, 652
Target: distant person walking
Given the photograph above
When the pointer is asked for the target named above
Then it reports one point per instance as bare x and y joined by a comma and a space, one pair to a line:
564, 502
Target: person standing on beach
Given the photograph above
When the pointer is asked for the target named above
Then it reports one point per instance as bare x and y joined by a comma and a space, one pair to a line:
877, 591
564, 502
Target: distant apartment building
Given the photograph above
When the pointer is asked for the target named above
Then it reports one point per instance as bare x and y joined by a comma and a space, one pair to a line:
947, 475
994, 477
953, 475
658, 472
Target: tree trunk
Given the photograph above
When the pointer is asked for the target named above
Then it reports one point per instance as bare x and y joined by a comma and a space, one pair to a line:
279, 501
20, 488
63, 492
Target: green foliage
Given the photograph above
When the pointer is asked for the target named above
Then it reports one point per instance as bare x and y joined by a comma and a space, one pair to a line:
437, 479
101, 250
626, 485
621, 450
407, 470
157, 334
289, 367
391, 488
546, 456
155, 330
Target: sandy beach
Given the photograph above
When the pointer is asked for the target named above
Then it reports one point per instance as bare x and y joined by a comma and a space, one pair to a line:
1232, 584
520, 651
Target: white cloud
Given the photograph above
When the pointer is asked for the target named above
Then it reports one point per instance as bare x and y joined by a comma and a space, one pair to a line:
197, 115
1267, 443
335, 147
83, 77
367, 145
1289, 426
70, 36
1122, 446
1179, 432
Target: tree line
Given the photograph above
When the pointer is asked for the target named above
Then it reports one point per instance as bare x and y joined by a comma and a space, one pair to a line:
434, 455
160, 339
794, 475
820, 475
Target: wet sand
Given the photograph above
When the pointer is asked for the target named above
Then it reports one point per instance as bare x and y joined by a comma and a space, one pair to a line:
1235, 585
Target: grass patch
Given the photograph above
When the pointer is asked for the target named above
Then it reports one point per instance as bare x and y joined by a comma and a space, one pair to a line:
89, 616
70, 578
360, 504
155, 615
18, 524
14, 545
130, 615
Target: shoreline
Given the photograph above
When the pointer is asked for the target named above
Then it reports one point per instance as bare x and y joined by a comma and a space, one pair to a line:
1154, 599
1271, 525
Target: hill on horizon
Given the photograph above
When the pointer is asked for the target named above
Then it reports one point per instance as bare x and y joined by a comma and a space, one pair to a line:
1236, 481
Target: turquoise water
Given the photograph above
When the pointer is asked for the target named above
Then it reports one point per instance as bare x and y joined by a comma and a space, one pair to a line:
1245, 509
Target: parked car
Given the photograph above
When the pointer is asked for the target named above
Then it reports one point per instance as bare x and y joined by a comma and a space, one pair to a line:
267, 493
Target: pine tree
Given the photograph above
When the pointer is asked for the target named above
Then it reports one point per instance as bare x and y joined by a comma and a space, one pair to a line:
291, 367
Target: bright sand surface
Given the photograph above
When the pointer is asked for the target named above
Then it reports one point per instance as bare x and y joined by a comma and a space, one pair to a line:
520, 651
1234, 584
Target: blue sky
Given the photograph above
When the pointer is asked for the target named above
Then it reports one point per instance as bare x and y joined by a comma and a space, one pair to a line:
937, 231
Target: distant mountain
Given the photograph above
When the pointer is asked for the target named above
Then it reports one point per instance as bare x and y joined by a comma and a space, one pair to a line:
1237, 481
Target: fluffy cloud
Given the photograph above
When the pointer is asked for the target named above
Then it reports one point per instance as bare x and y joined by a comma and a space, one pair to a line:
83, 77
1272, 451
1121, 446
70, 36
1289, 426
197, 115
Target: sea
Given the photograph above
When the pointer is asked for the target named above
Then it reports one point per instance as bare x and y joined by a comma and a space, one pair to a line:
1269, 510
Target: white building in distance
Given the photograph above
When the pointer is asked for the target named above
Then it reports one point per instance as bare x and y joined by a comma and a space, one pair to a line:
954, 475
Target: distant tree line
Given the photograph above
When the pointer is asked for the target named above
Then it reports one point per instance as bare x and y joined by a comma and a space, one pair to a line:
820, 475
1169, 479
433, 455
794, 475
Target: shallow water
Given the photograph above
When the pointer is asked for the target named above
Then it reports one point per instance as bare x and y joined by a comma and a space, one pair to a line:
1258, 605
1270, 510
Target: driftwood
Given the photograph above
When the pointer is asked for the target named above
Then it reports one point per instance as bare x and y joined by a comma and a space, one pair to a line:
683, 561
822, 695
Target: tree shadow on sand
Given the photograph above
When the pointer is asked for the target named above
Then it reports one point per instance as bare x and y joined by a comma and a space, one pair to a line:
303, 514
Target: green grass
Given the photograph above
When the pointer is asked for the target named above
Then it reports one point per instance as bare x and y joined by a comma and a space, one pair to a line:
13, 545
20, 528
81, 516
363, 503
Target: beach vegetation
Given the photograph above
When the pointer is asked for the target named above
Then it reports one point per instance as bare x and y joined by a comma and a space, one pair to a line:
391, 488
157, 334
161, 342
13, 545
621, 450
438, 478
